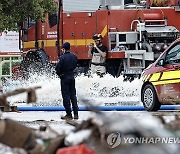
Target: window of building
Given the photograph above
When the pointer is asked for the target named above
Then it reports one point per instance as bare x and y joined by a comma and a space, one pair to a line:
52, 20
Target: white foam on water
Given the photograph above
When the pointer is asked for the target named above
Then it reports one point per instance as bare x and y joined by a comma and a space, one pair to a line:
100, 91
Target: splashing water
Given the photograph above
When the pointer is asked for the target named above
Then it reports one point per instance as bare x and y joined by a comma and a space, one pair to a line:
101, 91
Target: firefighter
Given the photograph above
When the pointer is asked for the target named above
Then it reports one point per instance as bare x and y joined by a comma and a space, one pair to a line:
98, 51
65, 70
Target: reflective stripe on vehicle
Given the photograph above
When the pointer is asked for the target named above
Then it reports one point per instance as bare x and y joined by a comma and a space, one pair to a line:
166, 82
168, 77
146, 77
155, 77
171, 75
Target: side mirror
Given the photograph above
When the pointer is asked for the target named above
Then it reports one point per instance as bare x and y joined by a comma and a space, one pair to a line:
161, 62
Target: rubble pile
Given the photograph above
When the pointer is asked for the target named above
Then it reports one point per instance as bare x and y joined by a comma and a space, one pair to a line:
102, 135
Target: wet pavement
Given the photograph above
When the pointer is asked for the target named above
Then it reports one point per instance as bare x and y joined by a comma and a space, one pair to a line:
35, 119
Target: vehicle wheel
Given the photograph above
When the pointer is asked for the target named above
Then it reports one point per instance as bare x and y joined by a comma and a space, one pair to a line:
150, 99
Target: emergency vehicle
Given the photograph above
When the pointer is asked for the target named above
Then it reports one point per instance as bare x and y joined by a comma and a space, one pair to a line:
135, 33
162, 79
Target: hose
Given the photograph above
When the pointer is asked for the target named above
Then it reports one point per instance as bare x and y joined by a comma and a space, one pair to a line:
101, 108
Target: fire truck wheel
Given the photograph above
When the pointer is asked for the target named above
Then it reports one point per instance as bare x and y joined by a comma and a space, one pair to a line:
150, 99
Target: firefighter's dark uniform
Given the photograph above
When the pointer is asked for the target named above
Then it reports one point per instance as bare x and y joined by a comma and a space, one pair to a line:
64, 69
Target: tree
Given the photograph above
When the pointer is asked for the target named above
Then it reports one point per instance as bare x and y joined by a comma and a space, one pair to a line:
13, 12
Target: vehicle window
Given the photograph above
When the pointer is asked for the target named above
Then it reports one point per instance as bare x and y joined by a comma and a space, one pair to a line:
52, 20
28, 23
173, 56
31, 22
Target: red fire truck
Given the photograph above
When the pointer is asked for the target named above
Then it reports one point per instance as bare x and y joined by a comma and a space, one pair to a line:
135, 33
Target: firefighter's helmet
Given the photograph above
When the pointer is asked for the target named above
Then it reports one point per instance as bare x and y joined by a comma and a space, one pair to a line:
97, 37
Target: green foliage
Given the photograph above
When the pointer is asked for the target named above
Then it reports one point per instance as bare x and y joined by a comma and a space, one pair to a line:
13, 12
6, 67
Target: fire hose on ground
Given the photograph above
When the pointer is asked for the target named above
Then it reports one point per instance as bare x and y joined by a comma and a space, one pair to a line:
101, 108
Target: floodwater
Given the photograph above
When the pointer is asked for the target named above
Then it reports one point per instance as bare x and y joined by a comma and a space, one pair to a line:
100, 91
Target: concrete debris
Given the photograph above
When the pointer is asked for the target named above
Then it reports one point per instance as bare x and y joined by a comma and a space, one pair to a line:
32, 141
108, 137
173, 124
31, 97
77, 138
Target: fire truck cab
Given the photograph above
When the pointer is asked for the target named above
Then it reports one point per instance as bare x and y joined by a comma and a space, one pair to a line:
134, 34
162, 79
